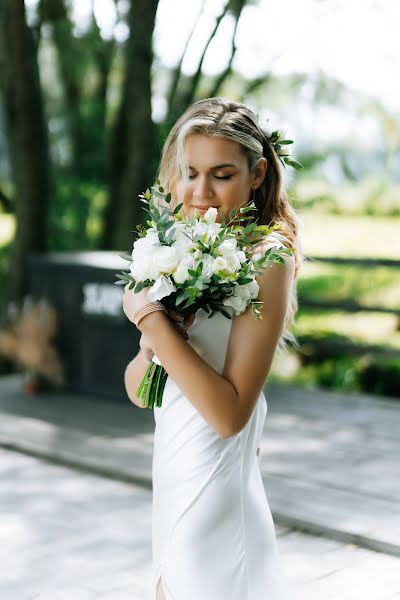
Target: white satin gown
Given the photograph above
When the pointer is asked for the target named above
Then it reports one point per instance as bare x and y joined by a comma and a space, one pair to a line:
213, 536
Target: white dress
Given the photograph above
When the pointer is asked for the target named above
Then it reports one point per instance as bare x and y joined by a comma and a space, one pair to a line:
213, 536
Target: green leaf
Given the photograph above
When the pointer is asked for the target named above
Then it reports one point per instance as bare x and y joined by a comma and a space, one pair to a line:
178, 208
183, 295
285, 142
232, 214
139, 286
168, 197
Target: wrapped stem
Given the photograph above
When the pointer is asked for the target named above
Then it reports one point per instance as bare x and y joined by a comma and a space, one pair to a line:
152, 386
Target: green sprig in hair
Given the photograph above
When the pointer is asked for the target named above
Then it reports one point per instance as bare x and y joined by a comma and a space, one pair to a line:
277, 140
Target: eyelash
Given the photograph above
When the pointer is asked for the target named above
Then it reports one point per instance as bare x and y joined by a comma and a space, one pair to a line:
225, 177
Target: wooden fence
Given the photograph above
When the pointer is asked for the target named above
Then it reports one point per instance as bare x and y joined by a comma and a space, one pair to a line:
340, 346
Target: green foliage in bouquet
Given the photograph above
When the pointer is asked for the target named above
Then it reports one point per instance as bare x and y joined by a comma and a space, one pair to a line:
193, 294
201, 287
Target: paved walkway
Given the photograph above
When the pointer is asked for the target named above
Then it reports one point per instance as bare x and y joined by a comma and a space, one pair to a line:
330, 461
70, 535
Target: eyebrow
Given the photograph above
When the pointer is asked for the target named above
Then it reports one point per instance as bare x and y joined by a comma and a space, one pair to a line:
219, 166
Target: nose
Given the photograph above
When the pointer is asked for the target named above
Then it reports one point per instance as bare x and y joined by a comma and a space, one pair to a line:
202, 188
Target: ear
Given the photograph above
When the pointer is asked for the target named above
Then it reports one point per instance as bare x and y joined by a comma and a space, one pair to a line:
260, 172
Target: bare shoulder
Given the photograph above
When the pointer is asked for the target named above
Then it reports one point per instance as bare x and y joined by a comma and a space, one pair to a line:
252, 341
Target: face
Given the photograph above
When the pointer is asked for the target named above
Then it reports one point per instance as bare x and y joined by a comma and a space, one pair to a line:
218, 176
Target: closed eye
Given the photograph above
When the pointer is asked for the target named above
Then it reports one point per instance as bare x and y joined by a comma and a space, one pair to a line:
216, 176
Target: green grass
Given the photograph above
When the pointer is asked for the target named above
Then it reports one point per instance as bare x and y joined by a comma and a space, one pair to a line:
363, 236
374, 286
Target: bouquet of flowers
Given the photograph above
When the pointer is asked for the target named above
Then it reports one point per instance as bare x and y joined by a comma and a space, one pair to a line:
193, 262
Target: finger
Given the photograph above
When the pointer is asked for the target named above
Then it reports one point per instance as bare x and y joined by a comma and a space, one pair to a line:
174, 314
189, 319
181, 330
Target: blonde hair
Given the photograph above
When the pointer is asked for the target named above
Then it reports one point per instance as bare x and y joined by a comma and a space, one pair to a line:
235, 121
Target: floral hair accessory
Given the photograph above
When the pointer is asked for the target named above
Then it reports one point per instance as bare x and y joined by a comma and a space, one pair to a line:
277, 139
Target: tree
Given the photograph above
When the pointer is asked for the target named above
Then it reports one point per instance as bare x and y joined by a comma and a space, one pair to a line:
134, 148
26, 134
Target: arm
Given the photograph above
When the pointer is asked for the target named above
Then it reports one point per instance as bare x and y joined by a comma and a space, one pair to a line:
226, 401
136, 369
134, 373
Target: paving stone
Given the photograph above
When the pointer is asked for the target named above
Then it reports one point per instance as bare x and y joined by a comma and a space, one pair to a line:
106, 553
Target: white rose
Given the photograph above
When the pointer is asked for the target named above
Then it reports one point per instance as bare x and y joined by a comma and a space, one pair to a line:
208, 262
249, 290
142, 266
211, 215
145, 243
181, 274
233, 263
241, 296
219, 264
183, 245
166, 259
162, 287
227, 246
236, 302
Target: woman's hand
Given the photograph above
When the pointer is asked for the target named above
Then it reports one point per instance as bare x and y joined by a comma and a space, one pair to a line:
180, 324
131, 302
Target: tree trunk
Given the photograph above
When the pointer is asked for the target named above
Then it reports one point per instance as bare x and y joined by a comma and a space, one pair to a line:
26, 133
134, 149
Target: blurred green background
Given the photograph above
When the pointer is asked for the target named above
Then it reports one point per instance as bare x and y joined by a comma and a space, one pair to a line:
89, 89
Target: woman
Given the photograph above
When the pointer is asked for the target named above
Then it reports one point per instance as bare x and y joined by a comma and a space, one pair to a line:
213, 533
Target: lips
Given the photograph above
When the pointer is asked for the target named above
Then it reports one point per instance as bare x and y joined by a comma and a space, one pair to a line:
203, 207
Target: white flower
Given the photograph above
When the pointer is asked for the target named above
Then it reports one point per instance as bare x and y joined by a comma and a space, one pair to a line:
142, 266
162, 287
241, 296
211, 215
166, 259
233, 257
181, 274
220, 264
197, 254
227, 246
209, 230
236, 302
233, 262
145, 243
208, 262
283, 151
183, 246
150, 259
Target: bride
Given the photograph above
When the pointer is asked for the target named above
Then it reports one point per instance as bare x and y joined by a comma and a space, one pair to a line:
213, 536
